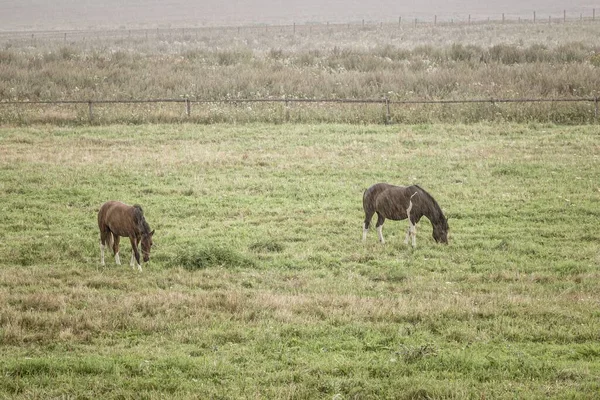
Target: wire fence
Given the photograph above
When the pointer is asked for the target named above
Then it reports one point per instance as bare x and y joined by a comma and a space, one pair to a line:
406, 21
386, 103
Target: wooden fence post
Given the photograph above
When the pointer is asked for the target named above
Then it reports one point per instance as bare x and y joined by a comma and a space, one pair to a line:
534, 17
188, 107
90, 110
387, 111
596, 109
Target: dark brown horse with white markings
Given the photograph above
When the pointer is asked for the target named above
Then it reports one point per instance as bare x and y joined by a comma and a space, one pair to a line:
401, 202
116, 219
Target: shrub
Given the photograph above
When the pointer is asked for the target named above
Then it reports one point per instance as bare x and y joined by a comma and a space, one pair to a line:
211, 256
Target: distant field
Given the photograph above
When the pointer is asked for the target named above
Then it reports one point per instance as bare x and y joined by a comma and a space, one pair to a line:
447, 61
260, 286
89, 14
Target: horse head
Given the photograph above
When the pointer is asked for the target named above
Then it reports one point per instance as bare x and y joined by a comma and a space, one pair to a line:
147, 245
440, 231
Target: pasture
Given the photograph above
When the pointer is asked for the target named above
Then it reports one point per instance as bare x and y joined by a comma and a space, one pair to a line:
259, 285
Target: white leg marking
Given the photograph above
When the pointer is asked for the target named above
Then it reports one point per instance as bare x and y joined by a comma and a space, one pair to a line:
139, 267
380, 233
101, 254
132, 262
117, 259
365, 230
412, 229
407, 235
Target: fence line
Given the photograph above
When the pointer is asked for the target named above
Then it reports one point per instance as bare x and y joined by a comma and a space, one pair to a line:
384, 101
564, 16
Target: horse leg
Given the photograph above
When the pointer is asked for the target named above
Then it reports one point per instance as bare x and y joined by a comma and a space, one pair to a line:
132, 262
102, 242
116, 240
105, 241
406, 238
368, 217
379, 226
412, 227
136, 253
101, 253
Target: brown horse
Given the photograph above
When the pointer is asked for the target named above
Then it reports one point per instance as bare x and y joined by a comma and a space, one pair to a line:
401, 202
116, 219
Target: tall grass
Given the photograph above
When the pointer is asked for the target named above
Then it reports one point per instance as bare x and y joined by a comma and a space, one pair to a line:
513, 61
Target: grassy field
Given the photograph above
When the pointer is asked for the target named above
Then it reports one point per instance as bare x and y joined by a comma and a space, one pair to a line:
259, 285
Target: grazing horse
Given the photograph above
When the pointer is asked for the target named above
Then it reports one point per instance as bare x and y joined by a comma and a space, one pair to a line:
116, 219
400, 202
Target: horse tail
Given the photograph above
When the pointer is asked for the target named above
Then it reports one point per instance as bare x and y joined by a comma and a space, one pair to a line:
110, 240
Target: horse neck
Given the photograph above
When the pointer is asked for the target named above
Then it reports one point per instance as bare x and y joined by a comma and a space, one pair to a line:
430, 209
143, 226
140, 221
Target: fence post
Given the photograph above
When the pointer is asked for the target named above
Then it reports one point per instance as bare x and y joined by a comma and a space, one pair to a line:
564, 15
188, 107
90, 110
596, 109
534, 17
387, 111
287, 109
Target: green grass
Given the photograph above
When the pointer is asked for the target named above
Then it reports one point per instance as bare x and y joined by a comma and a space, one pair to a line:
259, 285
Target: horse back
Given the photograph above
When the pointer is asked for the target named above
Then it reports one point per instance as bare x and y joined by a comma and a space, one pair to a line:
390, 201
118, 218
371, 195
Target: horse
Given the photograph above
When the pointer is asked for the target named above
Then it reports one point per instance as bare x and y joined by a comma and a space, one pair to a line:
401, 202
116, 219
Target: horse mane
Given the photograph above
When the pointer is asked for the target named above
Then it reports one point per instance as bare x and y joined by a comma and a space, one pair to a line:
140, 221
436, 210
